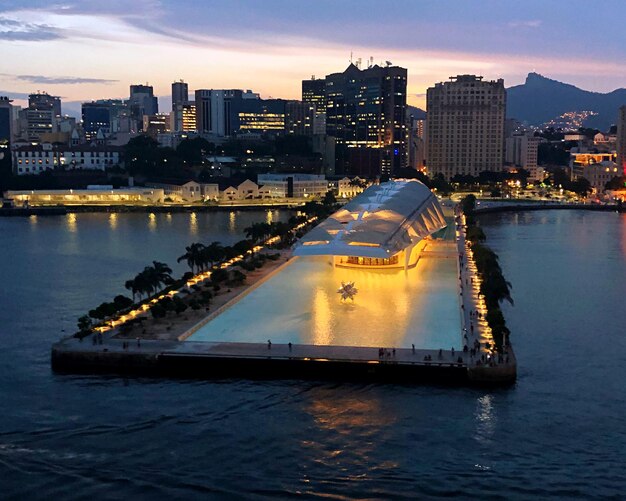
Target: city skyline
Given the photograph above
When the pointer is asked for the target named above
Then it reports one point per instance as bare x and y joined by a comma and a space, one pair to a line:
82, 52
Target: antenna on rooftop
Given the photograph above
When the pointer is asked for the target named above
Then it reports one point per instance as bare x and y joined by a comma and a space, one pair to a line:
350, 57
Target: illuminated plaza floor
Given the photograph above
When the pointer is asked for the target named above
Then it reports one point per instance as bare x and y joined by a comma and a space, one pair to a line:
392, 308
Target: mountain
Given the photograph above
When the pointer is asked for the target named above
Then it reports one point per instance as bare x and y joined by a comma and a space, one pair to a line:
418, 113
540, 99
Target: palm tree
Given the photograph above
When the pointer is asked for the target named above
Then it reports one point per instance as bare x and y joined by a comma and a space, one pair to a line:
193, 256
161, 274
213, 253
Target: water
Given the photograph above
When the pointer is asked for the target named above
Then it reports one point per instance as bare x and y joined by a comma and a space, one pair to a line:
392, 308
558, 433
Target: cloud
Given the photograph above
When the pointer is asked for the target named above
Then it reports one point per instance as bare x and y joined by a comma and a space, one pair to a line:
14, 95
40, 79
533, 23
13, 30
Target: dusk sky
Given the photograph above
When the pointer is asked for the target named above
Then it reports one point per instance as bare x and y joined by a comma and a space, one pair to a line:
92, 50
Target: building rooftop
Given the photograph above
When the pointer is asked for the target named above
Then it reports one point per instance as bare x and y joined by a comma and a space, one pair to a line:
380, 222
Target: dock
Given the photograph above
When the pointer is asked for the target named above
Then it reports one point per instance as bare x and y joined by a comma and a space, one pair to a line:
202, 360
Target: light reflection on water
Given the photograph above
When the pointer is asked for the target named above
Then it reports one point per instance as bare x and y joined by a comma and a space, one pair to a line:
152, 222
71, 222
113, 221
193, 223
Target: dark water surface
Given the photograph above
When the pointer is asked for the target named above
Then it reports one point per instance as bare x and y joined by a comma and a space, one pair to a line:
560, 432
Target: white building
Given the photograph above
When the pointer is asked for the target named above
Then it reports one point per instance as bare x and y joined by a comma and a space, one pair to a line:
294, 185
38, 159
465, 130
522, 150
97, 196
190, 191
348, 188
379, 228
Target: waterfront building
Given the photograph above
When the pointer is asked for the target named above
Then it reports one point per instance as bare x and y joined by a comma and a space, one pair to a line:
348, 188
294, 185
100, 195
465, 132
191, 191
621, 140
35, 159
180, 93
366, 115
380, 228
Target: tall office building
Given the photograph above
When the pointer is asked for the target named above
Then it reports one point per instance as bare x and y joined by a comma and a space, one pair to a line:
42, 101
300, 118
96, 117
6, 120
621, 140
465, 132
366, 116
217, 111
180, 94
314, 92
183, 117
142, 102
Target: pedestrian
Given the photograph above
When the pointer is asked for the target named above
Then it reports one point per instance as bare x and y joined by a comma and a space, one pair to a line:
440, 353
289, 345
269, 344
452, 351
138, 342
393, 351
413, 348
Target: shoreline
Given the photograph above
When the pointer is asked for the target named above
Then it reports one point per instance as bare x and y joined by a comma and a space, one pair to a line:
61, 210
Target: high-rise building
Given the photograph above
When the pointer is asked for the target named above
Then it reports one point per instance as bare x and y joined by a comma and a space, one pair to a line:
42, 101
621, 140
217, 111
142, 102
6, 120
366, 114
96, 117
180, 94
184, 117
314, 92
465, 132
300, 118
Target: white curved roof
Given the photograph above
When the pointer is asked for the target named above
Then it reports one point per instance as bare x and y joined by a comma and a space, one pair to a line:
380, 222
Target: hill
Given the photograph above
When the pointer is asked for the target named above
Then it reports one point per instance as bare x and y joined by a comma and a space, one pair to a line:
540, 99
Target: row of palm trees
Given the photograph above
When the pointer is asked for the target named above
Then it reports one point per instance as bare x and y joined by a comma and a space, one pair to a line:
149, 281
200, 257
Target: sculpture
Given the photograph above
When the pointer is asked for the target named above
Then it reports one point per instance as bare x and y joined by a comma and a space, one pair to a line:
347, 291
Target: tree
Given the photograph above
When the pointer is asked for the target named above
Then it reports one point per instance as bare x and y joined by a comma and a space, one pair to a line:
84, 324
468, 204
193, 256
581, 186
617, 183
142, 154
192, 151
158, 311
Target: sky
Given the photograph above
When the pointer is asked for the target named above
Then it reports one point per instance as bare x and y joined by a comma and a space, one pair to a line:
93, 50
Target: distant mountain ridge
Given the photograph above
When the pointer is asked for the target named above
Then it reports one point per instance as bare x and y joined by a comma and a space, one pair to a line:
540, 99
